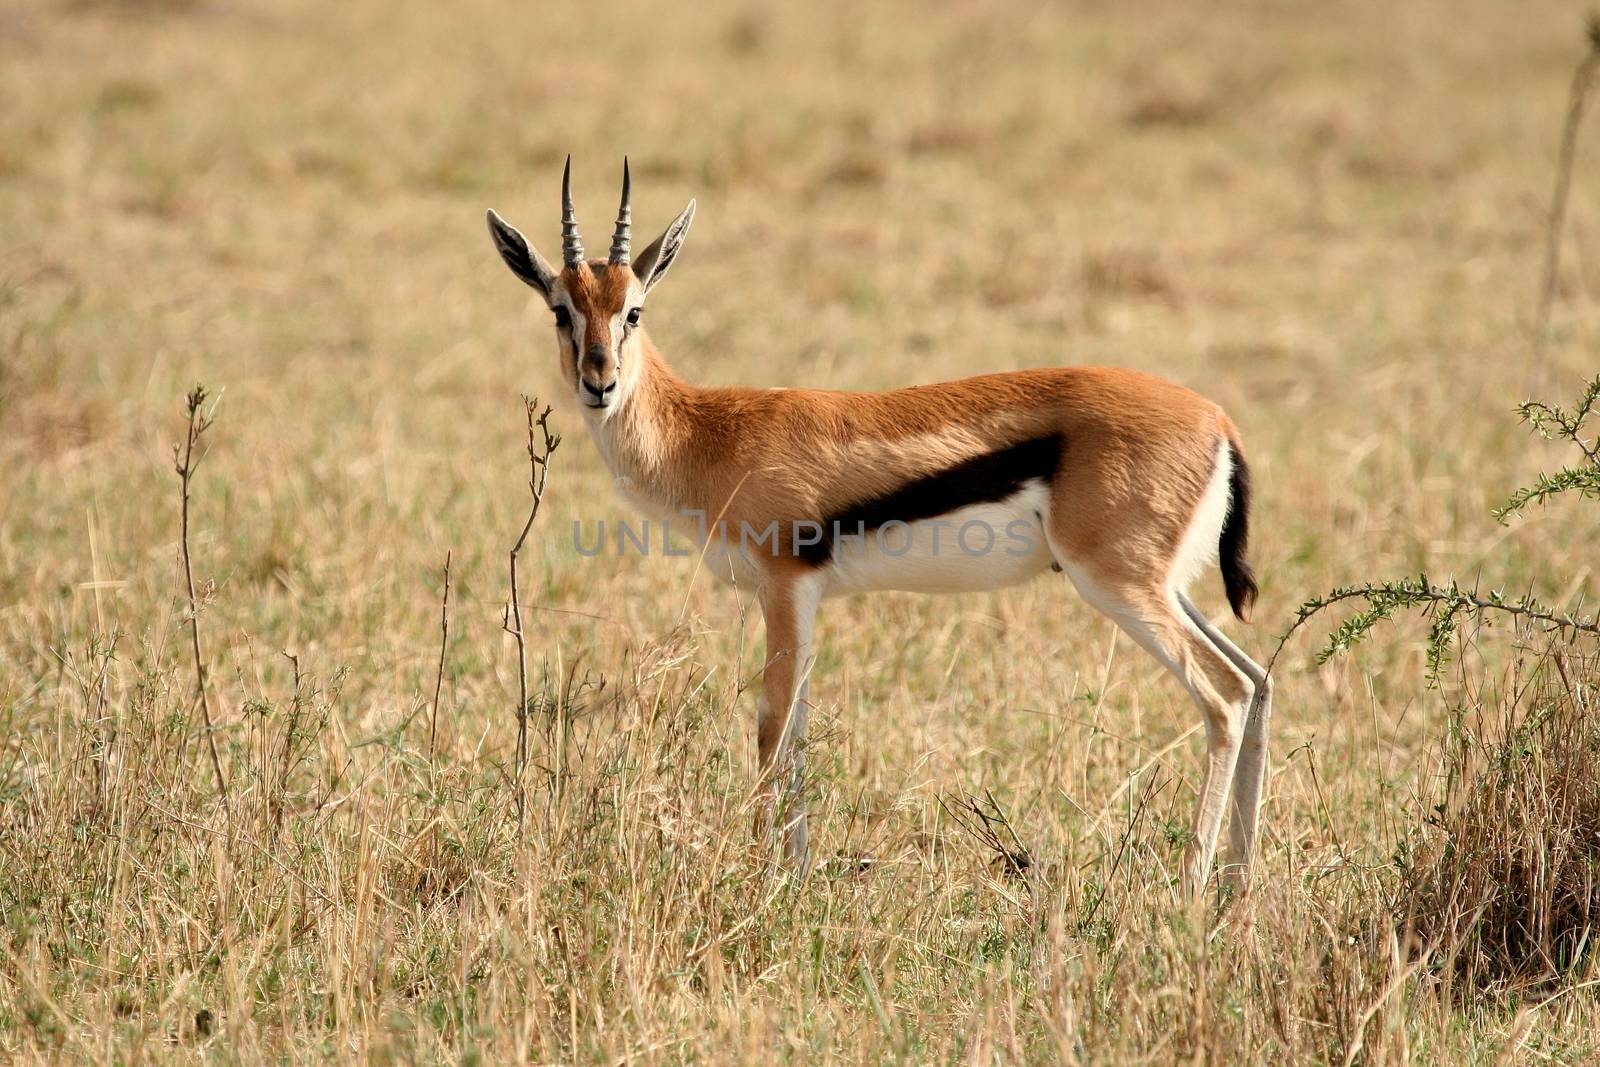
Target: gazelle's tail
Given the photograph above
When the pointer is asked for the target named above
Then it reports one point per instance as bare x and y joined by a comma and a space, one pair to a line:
1237, 577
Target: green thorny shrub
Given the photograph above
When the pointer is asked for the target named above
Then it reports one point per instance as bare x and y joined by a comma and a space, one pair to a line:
1499, 885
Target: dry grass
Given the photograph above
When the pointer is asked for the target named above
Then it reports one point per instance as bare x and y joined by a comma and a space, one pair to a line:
1327, 219
1505, 876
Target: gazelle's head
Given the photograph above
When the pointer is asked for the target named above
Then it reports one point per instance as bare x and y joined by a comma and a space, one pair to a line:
597, 303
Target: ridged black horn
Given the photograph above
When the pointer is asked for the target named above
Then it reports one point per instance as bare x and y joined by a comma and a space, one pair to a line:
571, 241
620, 241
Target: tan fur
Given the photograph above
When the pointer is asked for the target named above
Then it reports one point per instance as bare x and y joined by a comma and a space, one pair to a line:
598, 291
1138, 450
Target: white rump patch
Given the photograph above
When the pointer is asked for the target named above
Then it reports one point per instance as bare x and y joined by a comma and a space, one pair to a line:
1198, 550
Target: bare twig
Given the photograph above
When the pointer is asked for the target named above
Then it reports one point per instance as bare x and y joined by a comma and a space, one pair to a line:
184, 462
286, 762
1122, 847
444, 644
540, 448
1582, 82
983, 820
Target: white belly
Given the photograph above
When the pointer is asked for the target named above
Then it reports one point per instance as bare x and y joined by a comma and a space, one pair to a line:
985, 546
729, 564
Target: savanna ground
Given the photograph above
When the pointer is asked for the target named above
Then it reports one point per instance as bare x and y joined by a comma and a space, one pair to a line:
1329, 218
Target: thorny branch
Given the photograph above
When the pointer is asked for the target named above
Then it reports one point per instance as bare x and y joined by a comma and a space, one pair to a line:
1568, 424
1384, 598
1446, 603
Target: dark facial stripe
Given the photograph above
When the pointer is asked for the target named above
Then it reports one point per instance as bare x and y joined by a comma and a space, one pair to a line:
981, 479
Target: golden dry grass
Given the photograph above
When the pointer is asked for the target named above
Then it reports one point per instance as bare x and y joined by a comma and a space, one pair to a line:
1328, 218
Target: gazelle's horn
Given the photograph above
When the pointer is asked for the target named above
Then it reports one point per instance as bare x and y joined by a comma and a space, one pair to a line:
571, 242
620, 241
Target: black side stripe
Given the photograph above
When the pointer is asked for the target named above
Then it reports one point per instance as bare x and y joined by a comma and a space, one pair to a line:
982, 479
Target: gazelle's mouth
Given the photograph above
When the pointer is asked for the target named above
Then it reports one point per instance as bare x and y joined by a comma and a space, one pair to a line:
597, 397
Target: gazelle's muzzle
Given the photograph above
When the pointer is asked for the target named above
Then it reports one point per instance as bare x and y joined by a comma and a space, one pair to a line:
597, 376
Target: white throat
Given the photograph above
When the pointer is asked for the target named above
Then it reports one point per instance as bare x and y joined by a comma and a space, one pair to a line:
629, 443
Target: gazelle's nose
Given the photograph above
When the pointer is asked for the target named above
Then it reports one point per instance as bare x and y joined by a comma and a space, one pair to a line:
598, 363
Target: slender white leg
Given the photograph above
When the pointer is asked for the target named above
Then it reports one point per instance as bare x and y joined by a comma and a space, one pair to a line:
1224, 732
790, 607
1250, 773
1219, 688
792, 803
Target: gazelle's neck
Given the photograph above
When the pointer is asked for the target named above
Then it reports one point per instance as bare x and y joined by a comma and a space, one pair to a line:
646, 440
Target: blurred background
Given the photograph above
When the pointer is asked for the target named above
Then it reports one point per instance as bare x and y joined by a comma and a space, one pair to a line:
1329, 218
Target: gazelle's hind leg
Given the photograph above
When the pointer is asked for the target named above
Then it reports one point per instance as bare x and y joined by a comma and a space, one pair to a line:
1152, 617
1250, 773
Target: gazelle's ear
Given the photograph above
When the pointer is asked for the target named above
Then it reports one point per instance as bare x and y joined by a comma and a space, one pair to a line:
651, 264
525, 262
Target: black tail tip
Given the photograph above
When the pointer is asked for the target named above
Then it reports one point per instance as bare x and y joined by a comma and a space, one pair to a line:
1240, 582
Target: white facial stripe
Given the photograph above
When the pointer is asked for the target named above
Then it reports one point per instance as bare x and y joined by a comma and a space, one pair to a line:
619, 324
578, 332
563, 300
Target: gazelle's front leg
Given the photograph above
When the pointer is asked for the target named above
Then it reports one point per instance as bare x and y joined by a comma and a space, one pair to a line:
789, 603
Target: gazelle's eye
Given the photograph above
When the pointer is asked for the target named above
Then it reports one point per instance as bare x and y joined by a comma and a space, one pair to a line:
563, 317
633, 316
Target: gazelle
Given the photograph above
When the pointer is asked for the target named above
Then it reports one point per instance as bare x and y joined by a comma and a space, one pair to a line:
1129, 484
